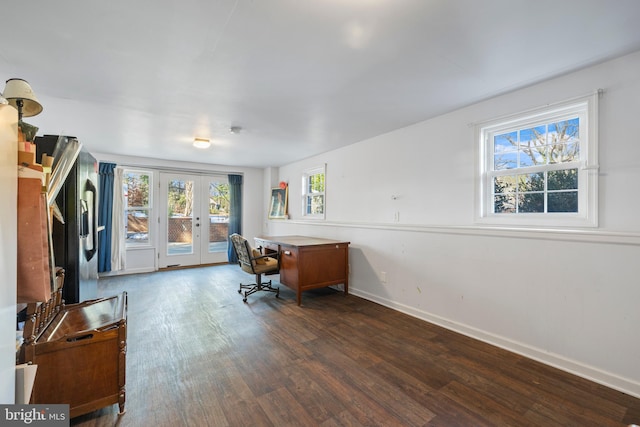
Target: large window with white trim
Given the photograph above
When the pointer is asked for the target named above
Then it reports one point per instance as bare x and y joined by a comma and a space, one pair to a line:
540, 168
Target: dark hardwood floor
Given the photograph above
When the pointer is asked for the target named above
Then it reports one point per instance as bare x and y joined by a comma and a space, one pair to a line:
198, 356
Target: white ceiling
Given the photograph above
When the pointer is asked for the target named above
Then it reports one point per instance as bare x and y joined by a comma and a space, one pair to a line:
301, 77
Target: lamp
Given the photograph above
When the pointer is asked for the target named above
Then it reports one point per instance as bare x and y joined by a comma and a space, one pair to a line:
20, 95
201, 143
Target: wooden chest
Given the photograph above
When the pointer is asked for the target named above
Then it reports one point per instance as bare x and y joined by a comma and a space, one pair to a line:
81, 356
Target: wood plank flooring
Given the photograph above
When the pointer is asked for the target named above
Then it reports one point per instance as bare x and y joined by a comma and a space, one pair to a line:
198, 356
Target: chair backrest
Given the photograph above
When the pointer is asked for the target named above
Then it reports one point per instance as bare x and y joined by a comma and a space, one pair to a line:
243, 251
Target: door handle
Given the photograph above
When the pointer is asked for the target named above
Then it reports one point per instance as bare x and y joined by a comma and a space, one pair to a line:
91, 236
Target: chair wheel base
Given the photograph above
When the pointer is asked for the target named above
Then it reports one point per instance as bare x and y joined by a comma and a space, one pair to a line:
250, 289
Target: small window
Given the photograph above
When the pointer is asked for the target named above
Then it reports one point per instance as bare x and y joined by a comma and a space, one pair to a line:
137, 205
540, 168
313, 193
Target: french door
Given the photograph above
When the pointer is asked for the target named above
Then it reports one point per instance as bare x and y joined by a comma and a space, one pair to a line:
194, 219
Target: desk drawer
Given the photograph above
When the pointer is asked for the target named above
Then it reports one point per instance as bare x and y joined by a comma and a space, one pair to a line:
289, 266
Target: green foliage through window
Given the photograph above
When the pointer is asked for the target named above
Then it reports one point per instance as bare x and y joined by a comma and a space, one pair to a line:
313, 185
137, 199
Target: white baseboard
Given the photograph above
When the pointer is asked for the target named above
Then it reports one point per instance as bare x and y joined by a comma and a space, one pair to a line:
128, 271
572, 366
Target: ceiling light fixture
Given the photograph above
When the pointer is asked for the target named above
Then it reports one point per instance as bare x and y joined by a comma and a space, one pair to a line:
201, 143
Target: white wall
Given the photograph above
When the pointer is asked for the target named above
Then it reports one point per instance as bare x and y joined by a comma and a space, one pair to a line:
568, 298
8, 250
144, 259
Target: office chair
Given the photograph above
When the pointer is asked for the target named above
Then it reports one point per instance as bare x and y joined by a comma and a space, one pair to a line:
253, 262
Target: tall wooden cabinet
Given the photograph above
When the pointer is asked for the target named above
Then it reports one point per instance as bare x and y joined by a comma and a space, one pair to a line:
8, 250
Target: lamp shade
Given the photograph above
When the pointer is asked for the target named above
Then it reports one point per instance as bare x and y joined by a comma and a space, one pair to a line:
20, 90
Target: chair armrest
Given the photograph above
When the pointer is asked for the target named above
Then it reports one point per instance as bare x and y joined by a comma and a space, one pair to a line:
256, 260
273, 255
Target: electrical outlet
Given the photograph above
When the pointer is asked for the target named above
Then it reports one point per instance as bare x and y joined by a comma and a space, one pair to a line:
396, 217
383, 276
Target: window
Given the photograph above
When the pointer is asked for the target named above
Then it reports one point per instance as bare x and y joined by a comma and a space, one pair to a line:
540, 168
313, 193
136, 188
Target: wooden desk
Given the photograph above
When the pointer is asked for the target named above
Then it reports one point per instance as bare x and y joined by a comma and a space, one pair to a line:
309, 262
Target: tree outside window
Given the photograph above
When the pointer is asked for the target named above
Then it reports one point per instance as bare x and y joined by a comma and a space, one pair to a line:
525, 149
137, 202
313, 193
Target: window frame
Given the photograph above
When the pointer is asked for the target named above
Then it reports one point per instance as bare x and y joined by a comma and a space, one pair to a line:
149, 208
586, 108
306, 174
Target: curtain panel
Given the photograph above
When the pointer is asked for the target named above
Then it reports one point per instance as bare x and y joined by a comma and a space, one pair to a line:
118, 241
105, 215
235, 216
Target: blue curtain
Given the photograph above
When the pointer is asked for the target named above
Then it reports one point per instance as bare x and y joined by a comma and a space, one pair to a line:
235, 216
105, 213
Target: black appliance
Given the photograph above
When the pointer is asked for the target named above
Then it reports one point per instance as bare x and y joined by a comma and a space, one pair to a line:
75, 242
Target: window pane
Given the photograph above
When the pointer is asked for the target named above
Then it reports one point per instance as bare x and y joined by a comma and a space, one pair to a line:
218, 201
563, 180
533, 146
315, 205
531, 202
137, 226
316, 183
504, 151
566, 201
564, 141
533, 156
531, 182
505, 142
505, 161
504, 203
504, 184
180, 217
564, 131
136, 186
533, 137
562, 153
218, 230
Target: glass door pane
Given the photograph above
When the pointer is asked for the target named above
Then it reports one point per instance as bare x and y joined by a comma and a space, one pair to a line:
180, 217
195, 226
180, 223
215, 236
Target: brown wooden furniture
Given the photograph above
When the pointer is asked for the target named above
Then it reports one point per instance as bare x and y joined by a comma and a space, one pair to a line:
309, 262
80, 351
